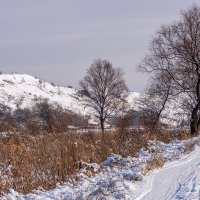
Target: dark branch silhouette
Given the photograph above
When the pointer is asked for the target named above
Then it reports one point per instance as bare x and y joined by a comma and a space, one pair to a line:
175, 57
105, 89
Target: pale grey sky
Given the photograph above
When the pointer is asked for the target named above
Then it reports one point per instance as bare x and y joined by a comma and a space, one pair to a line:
57, 40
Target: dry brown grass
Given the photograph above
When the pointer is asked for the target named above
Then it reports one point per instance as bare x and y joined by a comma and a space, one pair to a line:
168, 136
156, 161
43, 160
189, 147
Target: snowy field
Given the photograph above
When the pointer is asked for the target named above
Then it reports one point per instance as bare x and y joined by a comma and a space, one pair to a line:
122, 178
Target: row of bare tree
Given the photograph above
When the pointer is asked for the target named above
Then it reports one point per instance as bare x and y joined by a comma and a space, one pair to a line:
41, 117
174, 66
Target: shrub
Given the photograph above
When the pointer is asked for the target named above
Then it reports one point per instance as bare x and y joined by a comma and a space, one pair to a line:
156, 161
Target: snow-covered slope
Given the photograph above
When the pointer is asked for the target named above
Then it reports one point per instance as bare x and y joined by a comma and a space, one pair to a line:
132, 99
21, 90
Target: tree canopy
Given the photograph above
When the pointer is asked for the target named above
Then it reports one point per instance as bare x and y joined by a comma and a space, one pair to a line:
174, 62
105, 89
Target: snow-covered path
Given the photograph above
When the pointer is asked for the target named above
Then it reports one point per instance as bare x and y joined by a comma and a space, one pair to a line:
177, 180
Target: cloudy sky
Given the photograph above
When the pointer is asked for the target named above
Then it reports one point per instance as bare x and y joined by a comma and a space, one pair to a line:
57, 40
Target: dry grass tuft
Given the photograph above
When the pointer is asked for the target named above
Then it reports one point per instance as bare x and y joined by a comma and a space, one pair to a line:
156, 161
189, 147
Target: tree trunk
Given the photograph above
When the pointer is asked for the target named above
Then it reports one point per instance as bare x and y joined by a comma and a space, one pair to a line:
102, 124
195, 121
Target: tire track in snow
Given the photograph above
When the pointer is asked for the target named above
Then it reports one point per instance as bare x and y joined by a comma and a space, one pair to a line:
166, 182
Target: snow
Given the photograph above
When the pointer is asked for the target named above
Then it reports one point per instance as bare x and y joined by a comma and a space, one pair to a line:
168, 181
23, 89
132, 99
190, 187
122, 178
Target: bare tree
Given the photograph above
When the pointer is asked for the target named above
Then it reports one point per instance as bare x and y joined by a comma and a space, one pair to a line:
105, 89
174, 61
153, 103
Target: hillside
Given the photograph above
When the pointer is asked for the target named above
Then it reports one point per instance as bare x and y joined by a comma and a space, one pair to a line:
22, 90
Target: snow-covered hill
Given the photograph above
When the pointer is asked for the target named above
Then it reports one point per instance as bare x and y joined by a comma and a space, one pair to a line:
132, 99
21, 90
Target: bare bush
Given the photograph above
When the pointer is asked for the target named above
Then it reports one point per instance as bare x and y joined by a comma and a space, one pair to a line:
41, 117
189, 147
156, 161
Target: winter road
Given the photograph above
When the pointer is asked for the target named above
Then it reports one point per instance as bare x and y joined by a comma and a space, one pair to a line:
178, 180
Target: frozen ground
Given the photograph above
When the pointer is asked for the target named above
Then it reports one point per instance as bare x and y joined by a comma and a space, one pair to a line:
122, 178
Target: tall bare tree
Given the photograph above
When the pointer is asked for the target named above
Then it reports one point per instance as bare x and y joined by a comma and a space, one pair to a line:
175, 57
152, 104
105, 89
